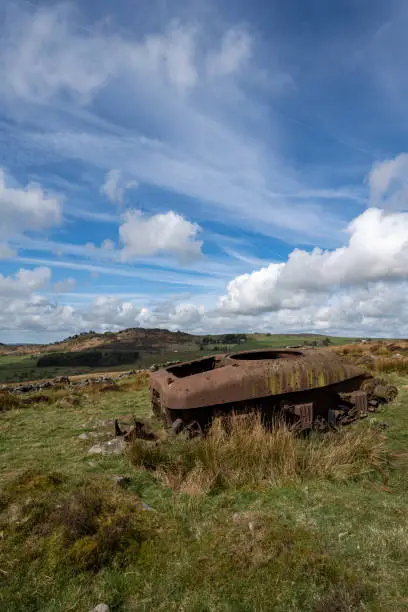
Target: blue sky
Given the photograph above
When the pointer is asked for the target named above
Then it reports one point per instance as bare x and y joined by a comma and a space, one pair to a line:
203, 166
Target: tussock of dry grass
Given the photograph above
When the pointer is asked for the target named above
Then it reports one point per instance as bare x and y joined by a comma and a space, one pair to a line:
392, 364
8, 401
250, 455
378, 357
136, 383
381, 348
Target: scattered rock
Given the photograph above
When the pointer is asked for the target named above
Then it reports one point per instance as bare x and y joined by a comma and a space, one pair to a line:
89, 434
165, 364
111, 447
101, 423
64, 380
102, 607
61, 380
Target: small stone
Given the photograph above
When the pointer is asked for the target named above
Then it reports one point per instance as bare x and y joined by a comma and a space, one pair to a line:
89, 434
96, 449
111, 447
102, 607
147, 507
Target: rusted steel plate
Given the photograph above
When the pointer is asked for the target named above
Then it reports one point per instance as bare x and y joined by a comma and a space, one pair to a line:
222, 379
305, 414
360, 400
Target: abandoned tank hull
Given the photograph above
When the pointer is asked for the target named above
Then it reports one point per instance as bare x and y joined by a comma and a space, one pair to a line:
308, 387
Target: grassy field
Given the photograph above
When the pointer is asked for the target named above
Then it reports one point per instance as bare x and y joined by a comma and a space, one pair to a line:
317, 524
19, 368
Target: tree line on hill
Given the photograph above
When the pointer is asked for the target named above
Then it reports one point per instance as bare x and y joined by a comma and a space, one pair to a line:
224, 339
90, 358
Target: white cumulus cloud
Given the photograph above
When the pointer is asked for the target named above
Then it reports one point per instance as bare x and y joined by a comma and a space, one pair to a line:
143, 235
388, 182
24, 282
25, 209
377, 250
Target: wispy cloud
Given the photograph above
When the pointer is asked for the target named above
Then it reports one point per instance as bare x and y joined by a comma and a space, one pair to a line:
152, 275
88, 215
208, 140
114, 187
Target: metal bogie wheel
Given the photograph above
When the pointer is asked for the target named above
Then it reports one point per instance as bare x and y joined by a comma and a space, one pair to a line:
193, 429
334, 418
177, 426
320, 424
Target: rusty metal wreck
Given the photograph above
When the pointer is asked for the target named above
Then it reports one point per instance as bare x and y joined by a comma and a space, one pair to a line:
310, 388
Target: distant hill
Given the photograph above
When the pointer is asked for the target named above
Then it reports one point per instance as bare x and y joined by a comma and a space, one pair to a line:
132, 339
136, 348
152, 341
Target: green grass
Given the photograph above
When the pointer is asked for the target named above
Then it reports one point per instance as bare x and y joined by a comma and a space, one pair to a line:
70, 539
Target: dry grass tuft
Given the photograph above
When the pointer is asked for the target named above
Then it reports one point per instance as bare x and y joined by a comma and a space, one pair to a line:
9, 401
249, 455
68, 399
136, 383
378, 357
392, 364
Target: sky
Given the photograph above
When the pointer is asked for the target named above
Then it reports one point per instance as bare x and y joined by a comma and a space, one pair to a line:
203, 166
